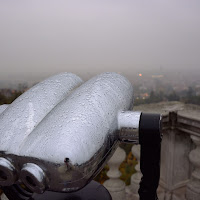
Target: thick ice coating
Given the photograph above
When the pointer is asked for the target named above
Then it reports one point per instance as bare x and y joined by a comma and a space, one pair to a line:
77, 127
26, 112
3, 107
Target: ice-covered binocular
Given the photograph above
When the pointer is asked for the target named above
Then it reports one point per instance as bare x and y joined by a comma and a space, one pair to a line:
59, 134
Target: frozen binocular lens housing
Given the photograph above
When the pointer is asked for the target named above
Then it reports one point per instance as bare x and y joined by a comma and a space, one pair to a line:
59, 134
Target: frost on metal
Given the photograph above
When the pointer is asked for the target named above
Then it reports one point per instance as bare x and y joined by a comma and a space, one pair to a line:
79, 125
5, 163
3, 107
27, 111
66, 128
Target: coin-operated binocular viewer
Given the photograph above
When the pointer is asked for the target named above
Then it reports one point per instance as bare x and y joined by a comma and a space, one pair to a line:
59, 134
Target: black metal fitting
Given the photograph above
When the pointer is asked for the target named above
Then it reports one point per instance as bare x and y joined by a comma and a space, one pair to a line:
150, 140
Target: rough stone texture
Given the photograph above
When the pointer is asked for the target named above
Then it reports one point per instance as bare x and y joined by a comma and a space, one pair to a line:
193, 187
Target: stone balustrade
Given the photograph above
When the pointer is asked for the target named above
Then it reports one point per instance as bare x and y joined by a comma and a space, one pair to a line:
116, 186
180, 161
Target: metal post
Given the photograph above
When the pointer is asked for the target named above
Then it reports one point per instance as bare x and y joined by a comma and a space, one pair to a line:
150, 141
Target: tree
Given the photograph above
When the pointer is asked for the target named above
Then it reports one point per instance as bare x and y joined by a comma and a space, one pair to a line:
173, 97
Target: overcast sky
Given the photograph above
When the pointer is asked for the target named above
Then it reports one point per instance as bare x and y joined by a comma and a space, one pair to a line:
39, 38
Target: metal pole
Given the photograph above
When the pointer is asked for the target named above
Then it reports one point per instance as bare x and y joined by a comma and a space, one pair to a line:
150, 140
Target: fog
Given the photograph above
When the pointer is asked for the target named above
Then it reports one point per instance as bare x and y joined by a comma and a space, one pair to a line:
41, 38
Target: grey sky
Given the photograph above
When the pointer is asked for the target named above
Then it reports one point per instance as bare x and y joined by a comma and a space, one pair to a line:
44, 37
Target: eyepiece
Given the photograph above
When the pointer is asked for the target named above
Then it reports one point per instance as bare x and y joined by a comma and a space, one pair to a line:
8, 174
33, 177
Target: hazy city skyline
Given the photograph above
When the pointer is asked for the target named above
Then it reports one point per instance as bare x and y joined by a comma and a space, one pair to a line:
41, 38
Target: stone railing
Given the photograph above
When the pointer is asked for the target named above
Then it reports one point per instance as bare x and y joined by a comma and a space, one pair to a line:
180, 163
